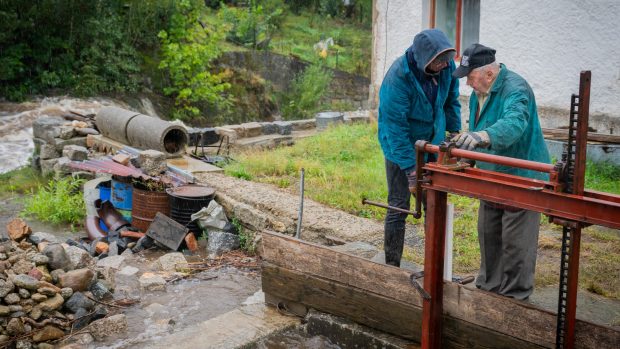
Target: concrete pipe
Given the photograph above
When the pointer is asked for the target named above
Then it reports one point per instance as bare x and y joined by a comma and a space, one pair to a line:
142, 131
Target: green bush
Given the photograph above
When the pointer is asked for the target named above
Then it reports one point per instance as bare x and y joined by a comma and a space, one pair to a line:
189, 47
61, 201
253, 25
306, 92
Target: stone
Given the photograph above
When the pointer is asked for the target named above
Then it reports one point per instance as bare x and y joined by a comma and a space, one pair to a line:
62, 167
127, 278
58, 257
122, 159
48, 151
79, 300
23, 344
152, 282
38, 237
26, 281
22, 266
55, 274
114, 324
114, 262
78, 341
4, 338
23, 293
11, 298
36, 313
113, 249
229, 132
85, 131
47, 166
269, 128
79, 257
14, 308
62, 143
52, 303
100, 291
48, 333
40, 259
45, 346
47, 291
305, 124
78, 280
220, 242
283, 127
41, 273
6, 287
66, 132
15, 327
190, 242
47, 128
44, 284
75, 152
4, 310
172, 261
18, 229
37, 297
152, 162
66, 292
252, 129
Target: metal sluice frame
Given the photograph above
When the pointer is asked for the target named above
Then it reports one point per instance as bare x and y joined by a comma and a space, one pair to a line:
562, 198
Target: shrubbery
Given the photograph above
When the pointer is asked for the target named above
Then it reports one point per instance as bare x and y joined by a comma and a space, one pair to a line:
306, 92
61, 201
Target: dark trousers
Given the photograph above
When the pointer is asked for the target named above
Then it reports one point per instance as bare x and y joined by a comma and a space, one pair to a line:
398, 196
508, 247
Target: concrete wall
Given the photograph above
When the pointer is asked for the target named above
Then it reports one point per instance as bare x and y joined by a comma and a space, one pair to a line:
547, 42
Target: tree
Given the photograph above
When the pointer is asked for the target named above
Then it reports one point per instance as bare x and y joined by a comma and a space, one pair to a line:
188, 50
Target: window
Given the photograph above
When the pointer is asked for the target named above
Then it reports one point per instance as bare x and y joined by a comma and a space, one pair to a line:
459, 19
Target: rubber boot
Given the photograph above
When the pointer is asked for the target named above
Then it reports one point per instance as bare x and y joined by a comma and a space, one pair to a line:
394, 239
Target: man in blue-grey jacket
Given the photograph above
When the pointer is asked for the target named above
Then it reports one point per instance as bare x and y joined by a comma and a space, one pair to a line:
503, 120
418, 100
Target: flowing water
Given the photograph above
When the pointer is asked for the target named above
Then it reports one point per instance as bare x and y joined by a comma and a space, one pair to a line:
16, 120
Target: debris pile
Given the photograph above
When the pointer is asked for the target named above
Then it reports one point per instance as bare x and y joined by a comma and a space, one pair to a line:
50, 291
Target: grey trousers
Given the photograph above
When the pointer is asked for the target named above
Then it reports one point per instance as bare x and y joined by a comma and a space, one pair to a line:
508, 248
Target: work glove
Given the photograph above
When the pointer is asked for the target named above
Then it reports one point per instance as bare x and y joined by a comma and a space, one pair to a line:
451, 134
472, 140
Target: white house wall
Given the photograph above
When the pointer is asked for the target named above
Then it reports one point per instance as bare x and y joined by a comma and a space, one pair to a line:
547, 42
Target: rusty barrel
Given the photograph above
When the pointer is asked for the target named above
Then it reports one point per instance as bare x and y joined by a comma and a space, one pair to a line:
146, 204
187, 200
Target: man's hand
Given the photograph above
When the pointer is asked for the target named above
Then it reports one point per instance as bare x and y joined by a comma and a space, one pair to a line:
472, 140
411, 178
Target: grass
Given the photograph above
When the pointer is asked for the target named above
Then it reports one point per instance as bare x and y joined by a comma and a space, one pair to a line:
345, 164
60, 201
20, 181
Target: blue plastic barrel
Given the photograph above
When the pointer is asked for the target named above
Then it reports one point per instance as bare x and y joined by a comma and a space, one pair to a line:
104, 191
122, 192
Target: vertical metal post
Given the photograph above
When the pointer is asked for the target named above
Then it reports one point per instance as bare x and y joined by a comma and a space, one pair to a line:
435, 228
301, 203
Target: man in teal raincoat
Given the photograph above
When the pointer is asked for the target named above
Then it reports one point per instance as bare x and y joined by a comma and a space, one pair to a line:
418, 100
503, 120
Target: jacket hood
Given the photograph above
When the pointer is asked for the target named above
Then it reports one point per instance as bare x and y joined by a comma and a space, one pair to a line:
427, 45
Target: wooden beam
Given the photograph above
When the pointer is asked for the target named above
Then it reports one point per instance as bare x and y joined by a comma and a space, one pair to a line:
482, 309
377, 311
562, 134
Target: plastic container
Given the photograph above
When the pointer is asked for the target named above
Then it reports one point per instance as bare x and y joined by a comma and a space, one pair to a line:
105, 191
122, 193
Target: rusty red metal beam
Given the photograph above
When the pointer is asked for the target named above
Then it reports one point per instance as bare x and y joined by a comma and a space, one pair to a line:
435, 234
509, 191
495, 159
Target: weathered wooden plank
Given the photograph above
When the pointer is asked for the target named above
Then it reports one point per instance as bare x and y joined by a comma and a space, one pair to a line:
562, 134
377, 311
505, 315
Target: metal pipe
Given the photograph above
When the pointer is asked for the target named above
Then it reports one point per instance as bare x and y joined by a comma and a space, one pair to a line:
380, 204
301, 204
494, 159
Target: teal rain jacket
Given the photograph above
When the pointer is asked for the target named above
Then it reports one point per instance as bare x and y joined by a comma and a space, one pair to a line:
510, 117
405, 113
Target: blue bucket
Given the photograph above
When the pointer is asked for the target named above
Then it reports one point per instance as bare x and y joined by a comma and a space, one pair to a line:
122, 193
104, 191
103, 226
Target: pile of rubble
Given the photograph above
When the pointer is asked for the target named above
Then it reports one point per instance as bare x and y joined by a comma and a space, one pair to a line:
58, 141
50, 290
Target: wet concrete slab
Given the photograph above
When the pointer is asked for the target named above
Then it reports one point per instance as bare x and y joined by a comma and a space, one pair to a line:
235, 329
